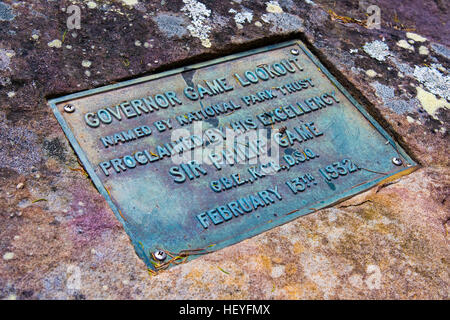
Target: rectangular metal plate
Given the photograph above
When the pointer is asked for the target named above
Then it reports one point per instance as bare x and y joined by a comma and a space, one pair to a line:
323, 147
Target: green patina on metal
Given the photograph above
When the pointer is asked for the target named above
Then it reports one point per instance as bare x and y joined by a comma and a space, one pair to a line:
323, 147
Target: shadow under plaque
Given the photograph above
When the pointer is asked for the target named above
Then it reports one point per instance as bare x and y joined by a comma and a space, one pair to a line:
162, 152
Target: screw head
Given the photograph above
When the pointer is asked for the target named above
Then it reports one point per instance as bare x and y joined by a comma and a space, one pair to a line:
69, 108
295, 52
397, 161
160, 255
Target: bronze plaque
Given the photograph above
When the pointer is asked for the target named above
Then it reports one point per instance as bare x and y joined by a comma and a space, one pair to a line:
198, 158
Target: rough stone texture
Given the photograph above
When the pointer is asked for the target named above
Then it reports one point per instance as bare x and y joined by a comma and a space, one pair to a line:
390, 242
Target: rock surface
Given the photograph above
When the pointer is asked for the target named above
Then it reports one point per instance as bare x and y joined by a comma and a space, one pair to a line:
60, 240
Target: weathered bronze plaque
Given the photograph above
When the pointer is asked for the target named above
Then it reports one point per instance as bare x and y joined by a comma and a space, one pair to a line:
198, 158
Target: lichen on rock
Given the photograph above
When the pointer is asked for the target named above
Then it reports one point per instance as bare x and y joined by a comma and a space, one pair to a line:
377, 49
242, 16
171, 25
430, 103
5, 59
434, 81
390, 100
200, 25
6, 12
283, 22
441, 50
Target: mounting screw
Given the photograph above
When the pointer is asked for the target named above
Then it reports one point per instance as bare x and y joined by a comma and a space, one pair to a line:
160, 255
295, 52
69, 108
397, 161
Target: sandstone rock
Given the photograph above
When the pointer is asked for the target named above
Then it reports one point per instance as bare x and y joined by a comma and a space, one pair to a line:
390, 242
